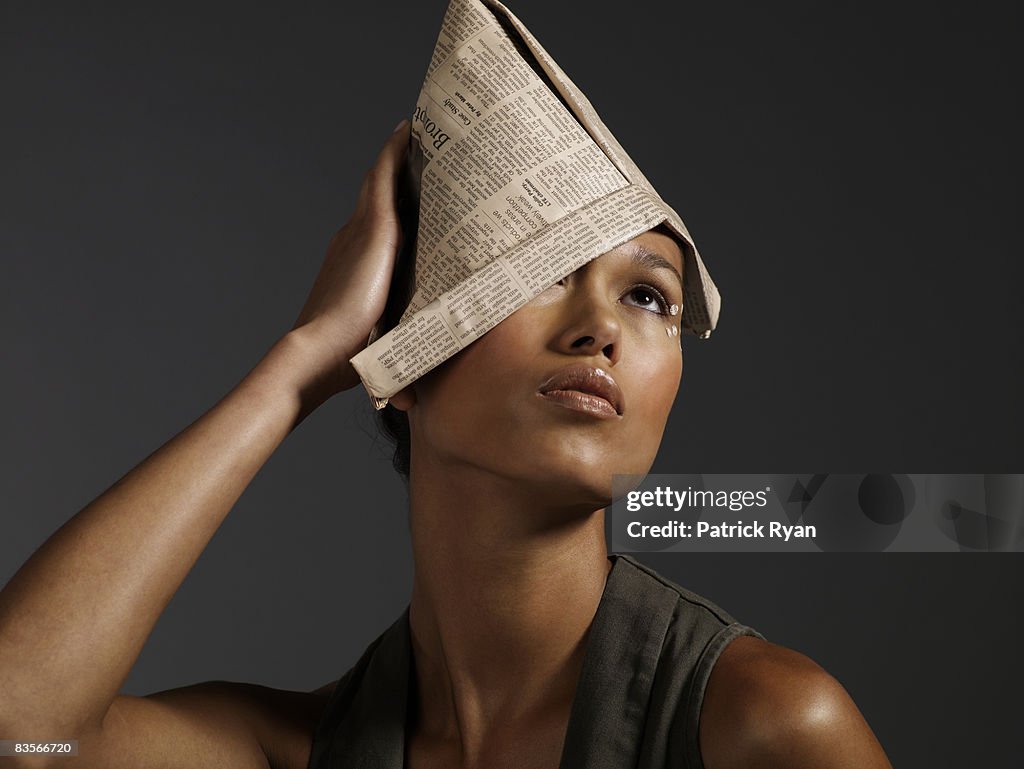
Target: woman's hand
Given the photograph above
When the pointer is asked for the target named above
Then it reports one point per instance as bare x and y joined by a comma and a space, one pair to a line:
351, 288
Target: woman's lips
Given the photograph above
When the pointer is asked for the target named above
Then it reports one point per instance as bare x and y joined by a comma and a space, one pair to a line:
586, 389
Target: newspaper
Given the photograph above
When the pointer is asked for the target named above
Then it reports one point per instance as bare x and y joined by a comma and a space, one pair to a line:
519, 183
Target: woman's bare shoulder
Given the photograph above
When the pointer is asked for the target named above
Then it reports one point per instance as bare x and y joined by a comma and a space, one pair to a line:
296, 715
768, 706
215, 723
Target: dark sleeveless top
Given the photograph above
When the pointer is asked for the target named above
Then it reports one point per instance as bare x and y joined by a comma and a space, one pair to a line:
647, 660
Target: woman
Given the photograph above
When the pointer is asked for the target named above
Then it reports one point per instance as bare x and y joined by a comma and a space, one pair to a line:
513, 444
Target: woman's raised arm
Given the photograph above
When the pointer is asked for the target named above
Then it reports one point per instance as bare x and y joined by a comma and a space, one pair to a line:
74, 618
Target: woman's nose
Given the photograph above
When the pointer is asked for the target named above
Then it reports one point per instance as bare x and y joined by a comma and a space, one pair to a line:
592, 327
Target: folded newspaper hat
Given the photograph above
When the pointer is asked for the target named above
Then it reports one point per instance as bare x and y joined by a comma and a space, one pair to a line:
516, 183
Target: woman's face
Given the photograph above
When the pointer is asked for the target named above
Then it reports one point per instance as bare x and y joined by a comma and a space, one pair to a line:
570, 389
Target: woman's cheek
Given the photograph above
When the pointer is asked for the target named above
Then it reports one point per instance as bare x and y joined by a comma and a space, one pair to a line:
659, 376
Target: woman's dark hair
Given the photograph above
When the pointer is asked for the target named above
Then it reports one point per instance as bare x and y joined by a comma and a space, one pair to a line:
394, 425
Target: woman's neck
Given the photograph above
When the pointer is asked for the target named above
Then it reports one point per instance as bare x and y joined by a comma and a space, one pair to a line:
503, 596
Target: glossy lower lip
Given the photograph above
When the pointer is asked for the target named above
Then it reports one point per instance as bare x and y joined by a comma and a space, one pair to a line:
586, 403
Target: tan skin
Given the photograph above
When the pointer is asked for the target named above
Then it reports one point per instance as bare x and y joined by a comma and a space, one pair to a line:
496, 666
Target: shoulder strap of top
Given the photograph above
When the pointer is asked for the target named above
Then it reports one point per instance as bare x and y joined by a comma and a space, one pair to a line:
364, 725
696, 636
699, 682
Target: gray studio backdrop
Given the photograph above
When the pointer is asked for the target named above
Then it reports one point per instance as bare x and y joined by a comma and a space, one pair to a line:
172, 175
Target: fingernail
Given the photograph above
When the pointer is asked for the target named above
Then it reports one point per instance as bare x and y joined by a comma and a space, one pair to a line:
401, 125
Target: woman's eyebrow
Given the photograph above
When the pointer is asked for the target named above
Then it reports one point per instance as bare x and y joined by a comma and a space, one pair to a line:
644, 257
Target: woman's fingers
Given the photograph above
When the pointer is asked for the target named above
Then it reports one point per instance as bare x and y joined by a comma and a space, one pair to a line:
350, 291
379, 190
